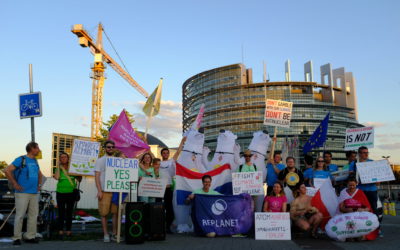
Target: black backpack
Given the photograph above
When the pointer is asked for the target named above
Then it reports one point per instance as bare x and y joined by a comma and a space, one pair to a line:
17, 174
241, 166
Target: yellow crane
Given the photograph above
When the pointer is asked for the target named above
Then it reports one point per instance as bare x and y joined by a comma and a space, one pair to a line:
98, 68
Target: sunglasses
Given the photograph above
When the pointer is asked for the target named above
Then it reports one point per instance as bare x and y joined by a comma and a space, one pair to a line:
320, 161
110, 147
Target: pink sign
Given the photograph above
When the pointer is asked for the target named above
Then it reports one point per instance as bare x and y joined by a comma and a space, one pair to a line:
125, 138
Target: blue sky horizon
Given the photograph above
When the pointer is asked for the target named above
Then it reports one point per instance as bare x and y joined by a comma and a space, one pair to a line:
178, 39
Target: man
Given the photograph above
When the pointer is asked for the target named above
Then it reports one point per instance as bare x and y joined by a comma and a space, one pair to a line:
328, 158
25, 176
105, 198
248, 166
291, 176
273, 169
167, 171
308, 171
351, 159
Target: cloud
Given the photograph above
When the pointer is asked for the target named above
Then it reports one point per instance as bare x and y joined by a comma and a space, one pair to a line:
375, 124
84, 121
389, 146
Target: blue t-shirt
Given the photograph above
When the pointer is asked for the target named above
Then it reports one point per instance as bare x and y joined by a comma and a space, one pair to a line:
27, 177
308, 173
332, 168
272, 177
367, 187
321, 174
352, 166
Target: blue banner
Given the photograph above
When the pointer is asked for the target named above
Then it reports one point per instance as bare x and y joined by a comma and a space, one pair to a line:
223, 214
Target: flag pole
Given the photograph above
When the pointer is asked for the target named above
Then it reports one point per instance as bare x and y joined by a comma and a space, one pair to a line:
271, 154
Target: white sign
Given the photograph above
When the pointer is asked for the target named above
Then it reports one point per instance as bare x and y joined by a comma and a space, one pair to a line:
311, 191
248, 183
278, 113
272, 226
150, 187
357, 137
375, 171
83, 158
120, 173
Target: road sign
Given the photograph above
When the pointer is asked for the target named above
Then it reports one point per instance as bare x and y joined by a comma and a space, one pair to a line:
30, 105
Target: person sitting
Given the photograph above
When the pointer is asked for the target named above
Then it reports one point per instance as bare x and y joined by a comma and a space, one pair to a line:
305, 216
276, 201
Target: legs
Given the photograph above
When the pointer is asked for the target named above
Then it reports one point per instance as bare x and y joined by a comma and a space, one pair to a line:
21, 205
33, 210
314, 221
61, 204
169, 208
302, 224
372, 197
105, 207
68, 213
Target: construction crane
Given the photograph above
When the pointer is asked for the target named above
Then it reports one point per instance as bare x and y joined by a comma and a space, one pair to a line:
98, 68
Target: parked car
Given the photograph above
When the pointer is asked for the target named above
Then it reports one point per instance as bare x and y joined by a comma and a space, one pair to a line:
7, 199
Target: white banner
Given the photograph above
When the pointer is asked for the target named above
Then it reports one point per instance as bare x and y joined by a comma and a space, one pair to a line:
248, 182
272, 226
83, 157
120, 174
150, 187
278, 113
357, 137
375, 171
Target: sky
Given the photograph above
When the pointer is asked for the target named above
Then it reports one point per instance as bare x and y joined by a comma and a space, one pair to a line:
178, 39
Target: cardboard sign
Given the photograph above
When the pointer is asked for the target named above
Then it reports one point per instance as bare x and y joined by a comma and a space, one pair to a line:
150, 187
272, 226
248, 183
357, 137
278, 113
120, 172
83, 158
375, 171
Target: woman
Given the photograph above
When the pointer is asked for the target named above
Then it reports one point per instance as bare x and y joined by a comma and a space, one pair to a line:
319, 174
65, 195
146, 170
304, 216
277, 201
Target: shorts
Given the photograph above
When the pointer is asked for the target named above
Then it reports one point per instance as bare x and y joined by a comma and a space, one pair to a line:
106, 206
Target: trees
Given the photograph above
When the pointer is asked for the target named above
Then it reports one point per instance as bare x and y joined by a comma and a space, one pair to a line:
3, 166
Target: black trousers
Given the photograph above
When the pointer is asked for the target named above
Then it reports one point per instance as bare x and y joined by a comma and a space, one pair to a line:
169, 209
372, 197
65, 204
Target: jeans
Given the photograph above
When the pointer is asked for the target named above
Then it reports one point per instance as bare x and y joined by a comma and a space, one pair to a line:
65, 204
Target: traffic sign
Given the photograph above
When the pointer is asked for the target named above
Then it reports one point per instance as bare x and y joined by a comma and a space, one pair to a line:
30, 105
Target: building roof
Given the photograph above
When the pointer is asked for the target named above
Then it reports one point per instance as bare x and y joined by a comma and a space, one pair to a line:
152, 140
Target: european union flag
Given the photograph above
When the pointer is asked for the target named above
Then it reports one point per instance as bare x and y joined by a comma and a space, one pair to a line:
318, 138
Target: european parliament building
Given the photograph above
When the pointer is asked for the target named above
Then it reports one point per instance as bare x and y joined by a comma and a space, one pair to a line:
234, 102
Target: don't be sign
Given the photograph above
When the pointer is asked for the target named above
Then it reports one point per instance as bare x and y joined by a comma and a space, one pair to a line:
120, 172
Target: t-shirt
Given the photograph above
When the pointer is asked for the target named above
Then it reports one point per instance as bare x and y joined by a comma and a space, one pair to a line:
150, 170
321, 174
167, 170
308, 174
366, 187
290, 179
100, 167
247, 168
352, 166
28, 176
201, 191
272, 177
275, 203
332, 168
64, 185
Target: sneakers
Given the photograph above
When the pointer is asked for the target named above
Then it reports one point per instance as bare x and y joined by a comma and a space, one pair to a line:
106, 238
17, 242
34, 240
239, 236
114, 238
211, 235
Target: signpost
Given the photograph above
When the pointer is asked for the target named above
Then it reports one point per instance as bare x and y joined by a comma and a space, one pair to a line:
272, 226
357, 137
83, 158
248, 182
375, 171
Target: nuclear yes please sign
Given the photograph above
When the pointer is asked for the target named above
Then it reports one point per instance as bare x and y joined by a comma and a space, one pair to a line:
120, 173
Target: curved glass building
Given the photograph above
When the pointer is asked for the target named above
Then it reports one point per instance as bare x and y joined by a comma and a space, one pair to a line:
233, 102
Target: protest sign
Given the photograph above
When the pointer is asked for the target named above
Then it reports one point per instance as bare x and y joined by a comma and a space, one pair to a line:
277, 113
272, 226
120, 172
83, 158
248, 183
374, 171
357, 137
150, 187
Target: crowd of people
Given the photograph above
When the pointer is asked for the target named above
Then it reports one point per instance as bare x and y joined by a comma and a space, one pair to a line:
25, 176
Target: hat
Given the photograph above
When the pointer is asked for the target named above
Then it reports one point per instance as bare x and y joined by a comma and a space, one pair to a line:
247, 152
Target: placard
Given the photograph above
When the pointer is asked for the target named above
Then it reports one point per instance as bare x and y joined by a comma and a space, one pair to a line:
375, 171
278, 113
120, 172
272, 226
357, 137
248, 183
83, 157
150, 187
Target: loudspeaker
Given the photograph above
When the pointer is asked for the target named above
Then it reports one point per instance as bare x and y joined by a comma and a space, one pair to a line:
155, 221
135, 222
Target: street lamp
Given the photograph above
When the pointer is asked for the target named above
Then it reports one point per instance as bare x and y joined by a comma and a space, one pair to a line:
387, 158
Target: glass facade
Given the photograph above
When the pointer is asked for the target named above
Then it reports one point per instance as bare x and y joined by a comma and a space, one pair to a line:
232, 102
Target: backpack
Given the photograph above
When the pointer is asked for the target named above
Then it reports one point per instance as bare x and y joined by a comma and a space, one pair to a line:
241, 166
16, 175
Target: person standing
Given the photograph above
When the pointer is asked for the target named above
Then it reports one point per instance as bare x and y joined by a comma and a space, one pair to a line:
273, 170
351, 159
146, 170
105, 198
319, 173
328, 159
308, 171
291, 176
65, 196
25, 176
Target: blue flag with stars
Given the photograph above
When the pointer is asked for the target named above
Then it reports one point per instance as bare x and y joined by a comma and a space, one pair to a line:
318, 138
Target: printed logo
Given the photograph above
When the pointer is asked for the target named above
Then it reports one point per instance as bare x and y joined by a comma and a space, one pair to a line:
219, 207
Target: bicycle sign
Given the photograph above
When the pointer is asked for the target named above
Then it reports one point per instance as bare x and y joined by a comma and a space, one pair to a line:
30, 105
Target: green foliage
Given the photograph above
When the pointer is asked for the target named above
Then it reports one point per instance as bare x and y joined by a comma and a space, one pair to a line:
3, 166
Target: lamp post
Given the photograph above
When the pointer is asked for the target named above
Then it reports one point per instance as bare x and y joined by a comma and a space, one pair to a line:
387, 158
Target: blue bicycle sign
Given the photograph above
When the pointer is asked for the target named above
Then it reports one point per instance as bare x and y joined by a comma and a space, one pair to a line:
30, 105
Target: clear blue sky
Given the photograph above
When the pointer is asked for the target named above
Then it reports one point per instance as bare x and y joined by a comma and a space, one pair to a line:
177, 39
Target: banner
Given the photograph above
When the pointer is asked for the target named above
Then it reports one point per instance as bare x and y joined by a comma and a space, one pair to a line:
150, 187
278, 113
222, 214
83, 157
375, 171
120, 172
248, 183
357, 137
272, 226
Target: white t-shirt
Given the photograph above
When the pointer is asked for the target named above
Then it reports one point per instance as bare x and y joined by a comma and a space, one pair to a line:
167, 170
100, 166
